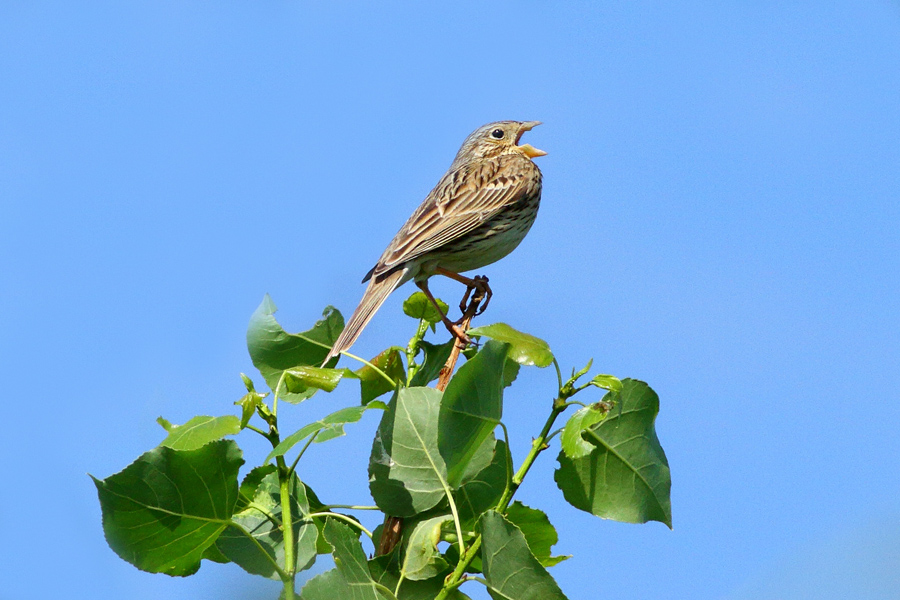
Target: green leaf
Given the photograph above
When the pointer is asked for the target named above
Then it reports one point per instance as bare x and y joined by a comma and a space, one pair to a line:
626, 476
248, 403
384, 572
260, 517
572, 443
511, 570
250, 484
538, 532
421, 557
607, 382
471, 409
436, 356
350, 579
372, 384
273, 350
199, 431
510, 372
406, 472
301, 379
163, 511
525, 349
333, 424
483, 489
418, 306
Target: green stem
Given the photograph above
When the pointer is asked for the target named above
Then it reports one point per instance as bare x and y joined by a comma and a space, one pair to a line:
539, 444
287, 524
412, 349
349, 507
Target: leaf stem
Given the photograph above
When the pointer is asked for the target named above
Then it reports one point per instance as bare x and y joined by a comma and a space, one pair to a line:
349, 507
353, 522
257, 430
311, 439
558, 373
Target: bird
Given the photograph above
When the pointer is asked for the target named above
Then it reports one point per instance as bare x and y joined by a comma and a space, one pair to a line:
478, 213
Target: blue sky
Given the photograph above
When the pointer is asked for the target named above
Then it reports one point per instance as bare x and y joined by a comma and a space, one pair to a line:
720, 219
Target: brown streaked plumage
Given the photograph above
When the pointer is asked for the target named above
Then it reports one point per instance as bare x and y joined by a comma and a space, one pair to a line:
477, 213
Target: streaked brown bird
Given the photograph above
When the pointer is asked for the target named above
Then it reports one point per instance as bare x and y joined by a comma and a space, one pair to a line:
477, 213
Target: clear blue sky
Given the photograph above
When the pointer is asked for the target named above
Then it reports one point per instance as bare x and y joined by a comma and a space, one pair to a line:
720, 218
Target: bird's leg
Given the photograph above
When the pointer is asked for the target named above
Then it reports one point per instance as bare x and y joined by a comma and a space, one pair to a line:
454, 329
480, 283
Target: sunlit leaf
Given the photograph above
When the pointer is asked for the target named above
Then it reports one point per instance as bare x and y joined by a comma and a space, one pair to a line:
607, 382
300, 379
625, 477
333, 423
372, 383
163, 511
201, 430
572, 443
525, 349
273, 350
248, 403
418, 306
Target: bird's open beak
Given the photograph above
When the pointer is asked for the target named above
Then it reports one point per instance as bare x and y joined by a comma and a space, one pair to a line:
527, 149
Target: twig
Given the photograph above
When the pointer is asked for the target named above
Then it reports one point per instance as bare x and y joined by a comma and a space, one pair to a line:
393, 526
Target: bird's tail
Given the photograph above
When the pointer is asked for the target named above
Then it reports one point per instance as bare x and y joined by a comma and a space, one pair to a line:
376, 294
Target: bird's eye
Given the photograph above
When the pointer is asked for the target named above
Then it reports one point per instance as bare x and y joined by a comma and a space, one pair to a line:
497, 134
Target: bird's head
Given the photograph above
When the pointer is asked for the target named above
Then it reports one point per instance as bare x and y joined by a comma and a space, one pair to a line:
496, 139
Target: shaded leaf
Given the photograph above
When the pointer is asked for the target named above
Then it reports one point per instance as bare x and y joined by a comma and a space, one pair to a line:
163, 511
436, 356
261, 517
421, 557
626, 476
418, 306
525, 349
511, 570
372, 384
199, 431
273, 350
332, 424
538, 532
350, 579
384, 572
406, 472
572, 443
471, 408
482, 490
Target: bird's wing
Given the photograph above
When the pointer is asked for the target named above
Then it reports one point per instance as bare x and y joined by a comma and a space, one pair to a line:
465, 198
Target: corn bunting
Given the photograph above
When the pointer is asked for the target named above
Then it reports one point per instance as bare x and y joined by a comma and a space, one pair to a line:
477, 213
